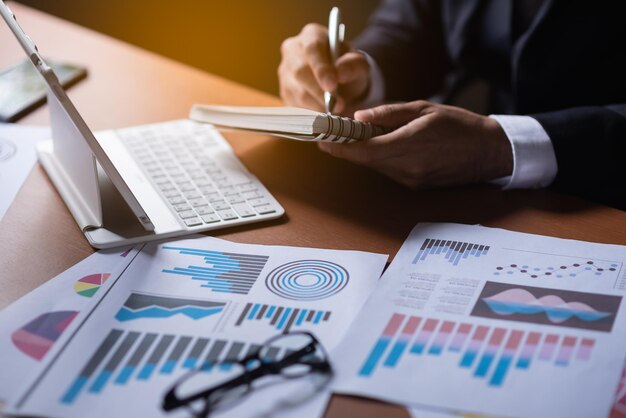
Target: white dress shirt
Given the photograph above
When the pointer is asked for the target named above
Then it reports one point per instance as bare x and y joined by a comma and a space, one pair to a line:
534, 162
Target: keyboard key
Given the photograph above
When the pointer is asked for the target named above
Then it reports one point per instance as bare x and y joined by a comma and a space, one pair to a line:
187, 214
247, 187
220, 205
203, 181
258, 201
235, 199
198, 202
187, 187
214, 197
244, 210
227, 215
223, 184
171, 193
205, 190
193, 221
265, 209
167, 186
212, 218
205, 210
182, 207
251, 194
176, 200
192, 195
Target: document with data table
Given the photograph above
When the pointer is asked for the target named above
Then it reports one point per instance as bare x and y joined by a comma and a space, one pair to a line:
196, 302
492, 322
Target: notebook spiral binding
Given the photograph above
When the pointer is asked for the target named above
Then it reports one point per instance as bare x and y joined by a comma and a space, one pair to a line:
346, 130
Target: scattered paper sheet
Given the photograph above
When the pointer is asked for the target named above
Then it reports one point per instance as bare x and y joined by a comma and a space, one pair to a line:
30, 326
485, 320
182, 303
17, 158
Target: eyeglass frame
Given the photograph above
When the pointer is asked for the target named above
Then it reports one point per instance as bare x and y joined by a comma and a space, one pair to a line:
264, 368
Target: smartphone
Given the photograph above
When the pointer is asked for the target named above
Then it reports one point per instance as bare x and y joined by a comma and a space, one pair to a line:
22, 89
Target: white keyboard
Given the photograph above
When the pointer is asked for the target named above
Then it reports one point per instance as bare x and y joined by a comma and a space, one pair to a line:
197, 173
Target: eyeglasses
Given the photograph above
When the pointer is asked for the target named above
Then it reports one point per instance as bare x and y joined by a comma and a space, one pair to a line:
212, 386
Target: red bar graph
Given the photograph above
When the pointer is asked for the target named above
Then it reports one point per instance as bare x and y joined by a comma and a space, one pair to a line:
488, 353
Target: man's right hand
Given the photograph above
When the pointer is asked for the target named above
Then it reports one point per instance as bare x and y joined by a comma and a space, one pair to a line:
306, 71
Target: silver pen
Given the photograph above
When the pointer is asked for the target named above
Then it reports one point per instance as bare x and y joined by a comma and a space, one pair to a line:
336, 35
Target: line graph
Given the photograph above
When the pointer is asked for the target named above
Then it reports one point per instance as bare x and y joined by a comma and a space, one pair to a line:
547, 306
542, 265
141, 306
488, 353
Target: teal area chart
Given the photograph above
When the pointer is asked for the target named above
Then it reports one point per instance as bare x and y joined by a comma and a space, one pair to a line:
141, 306
547, 306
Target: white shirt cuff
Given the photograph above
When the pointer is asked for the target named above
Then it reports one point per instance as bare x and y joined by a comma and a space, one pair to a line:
376, 93
534, 162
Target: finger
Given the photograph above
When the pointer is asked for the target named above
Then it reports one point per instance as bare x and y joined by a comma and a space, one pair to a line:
305, 79
307, 101
314, 44
367, 152
351, 67
393, 115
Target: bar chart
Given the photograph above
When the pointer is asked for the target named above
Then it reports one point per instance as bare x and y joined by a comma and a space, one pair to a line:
132, 356
221, 272
452, 251
486, 352
281, 318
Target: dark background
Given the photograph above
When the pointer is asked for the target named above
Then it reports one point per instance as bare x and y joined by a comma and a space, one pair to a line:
236, 39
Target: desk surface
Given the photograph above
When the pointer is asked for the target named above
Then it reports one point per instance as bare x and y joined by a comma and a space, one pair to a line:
329, 203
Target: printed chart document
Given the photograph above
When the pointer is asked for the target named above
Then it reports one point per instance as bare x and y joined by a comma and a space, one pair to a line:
492, 322
182, 304
17, 158
30, 326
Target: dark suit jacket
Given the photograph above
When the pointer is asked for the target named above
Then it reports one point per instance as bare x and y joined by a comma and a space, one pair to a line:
567, 70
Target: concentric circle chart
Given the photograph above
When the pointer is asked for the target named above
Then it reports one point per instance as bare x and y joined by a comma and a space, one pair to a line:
307, 280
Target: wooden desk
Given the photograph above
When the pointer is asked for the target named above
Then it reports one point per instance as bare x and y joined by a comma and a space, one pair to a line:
329, 203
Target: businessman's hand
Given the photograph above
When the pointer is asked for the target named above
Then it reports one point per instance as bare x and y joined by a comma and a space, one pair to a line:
306, 71
432, 145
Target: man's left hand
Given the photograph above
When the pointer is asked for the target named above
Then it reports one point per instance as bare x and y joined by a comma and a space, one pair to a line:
431, 145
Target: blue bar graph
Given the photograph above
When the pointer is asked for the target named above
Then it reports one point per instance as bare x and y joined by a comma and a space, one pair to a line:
223, 272
280, 317
125, 357
454, 250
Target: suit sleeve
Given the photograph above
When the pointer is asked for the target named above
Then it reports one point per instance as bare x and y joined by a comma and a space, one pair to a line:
590, 148
405, 38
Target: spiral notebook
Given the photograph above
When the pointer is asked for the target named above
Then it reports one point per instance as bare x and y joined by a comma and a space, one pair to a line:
287, 122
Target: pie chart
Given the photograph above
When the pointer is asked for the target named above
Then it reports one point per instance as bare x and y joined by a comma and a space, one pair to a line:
37, 337
89, 285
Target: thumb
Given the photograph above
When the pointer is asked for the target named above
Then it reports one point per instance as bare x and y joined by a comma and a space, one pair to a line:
393, 115
352, 66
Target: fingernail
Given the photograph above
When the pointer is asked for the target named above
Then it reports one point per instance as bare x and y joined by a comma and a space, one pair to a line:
328, 83
366, 114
